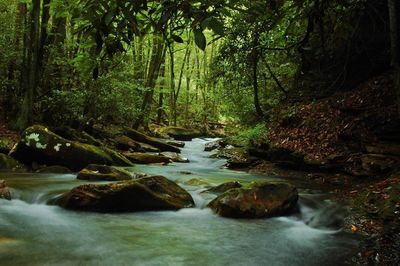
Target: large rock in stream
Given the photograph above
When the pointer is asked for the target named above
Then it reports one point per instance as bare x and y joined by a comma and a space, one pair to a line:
38, 144
259, 200
125, 143
144, 194
95, 172
146, 158
162, 146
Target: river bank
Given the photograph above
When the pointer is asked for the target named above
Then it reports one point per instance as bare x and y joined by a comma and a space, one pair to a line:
30, 228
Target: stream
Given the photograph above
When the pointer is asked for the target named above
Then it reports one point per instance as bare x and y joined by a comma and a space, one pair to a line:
34, 233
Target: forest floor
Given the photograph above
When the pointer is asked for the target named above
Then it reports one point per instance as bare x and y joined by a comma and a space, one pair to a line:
350, 141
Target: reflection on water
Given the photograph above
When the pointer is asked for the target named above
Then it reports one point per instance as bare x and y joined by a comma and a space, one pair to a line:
33, 233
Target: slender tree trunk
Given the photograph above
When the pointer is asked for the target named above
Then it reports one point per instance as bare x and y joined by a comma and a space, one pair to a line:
198, 77
393, 7
154, 68
205, 89
178, 90
189, 71
161, 93
43, 32
254, 59
172, 82
26, 111
139, 64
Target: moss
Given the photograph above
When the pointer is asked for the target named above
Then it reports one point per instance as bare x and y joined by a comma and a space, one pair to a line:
258, 200
7, 163
102, 172
148, 193
40, 145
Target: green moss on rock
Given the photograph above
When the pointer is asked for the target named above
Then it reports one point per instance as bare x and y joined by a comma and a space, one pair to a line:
94, 172
39, 144
259, 200
144, 194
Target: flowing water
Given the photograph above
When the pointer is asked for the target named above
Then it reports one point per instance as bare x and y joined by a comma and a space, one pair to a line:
34, 233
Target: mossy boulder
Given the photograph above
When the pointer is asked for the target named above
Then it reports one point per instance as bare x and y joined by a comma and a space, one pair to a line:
144, 194
125, 143
77, 135
148, 148
237, 157
95, 172
224, 187
5, 192
146, 158
8, 163
176, 143
39, 144
213, 145
54, 169
161, 145
259, 200
180, 133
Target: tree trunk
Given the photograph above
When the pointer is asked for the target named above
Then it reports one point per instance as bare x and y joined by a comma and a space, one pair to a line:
254, 63
186, 58
395, 47
43, 33
172, 82
189, 71
139, 64
154, 68
161, 93
32, 45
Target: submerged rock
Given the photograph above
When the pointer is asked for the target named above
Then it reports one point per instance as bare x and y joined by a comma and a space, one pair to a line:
259, 200
38, 144
55, 169
196, 182
95, 172
144, 194
223, 187
145, 158
5, 192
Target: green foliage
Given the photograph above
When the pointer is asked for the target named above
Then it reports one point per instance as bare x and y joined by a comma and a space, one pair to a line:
200, 39
250, 137
114, 97
63, 105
